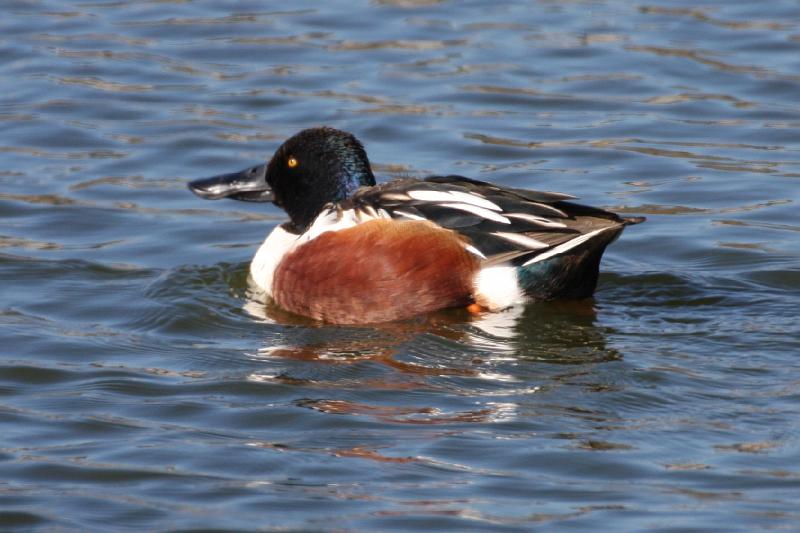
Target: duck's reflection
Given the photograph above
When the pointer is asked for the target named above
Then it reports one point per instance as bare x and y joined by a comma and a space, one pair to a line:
309, 340
461, 343
447, 368
562, 332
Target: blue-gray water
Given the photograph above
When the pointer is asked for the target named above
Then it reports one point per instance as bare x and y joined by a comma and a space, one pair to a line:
141, 388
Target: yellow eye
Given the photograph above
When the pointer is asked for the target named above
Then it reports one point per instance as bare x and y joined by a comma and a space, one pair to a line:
292, 162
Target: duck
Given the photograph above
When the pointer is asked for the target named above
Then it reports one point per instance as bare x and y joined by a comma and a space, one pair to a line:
356, 252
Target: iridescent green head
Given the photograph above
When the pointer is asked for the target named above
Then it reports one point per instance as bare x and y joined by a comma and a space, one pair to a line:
311, 169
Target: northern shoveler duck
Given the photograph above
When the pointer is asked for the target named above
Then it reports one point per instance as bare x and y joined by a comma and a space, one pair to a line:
356, 252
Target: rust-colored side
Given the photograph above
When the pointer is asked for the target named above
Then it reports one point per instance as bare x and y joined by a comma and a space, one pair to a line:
377, 271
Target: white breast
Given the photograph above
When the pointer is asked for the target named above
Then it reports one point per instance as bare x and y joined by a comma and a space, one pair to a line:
281, 242
277, 244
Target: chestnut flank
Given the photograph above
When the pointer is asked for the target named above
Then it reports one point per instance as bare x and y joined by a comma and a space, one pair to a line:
377, 271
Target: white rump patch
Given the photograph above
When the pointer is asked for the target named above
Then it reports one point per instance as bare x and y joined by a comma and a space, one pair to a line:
496, 287
563, 247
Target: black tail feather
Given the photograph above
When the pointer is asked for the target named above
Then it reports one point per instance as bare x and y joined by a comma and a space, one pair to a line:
572, 275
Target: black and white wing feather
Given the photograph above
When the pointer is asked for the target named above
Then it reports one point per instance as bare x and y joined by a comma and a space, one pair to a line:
503, 224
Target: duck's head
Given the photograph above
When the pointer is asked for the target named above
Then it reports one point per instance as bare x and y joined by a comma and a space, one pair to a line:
311, 169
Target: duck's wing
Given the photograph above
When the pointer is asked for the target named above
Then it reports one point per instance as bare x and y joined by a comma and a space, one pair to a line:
502, 224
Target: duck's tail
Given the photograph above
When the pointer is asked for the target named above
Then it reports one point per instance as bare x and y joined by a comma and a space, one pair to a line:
572, 274
630, 221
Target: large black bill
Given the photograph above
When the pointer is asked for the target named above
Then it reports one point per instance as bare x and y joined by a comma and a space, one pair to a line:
249, 185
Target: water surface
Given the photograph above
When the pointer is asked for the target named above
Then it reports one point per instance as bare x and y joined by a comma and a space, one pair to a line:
142, 387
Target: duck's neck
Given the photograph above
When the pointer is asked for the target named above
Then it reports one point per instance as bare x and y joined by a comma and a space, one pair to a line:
353, 172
